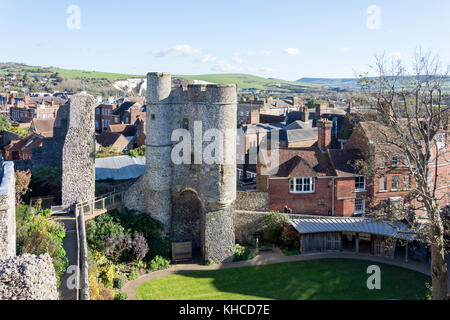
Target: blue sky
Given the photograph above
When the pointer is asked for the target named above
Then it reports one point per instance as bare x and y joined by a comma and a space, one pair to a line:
287, 39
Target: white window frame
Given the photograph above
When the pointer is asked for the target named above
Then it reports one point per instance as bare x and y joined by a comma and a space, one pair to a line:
382, 182
359, 189
298, 185
397, 160
392, 183
363, 205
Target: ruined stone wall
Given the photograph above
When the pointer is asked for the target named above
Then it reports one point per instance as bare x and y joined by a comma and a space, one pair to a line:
78, 153
28, 277
7, 211
252, 200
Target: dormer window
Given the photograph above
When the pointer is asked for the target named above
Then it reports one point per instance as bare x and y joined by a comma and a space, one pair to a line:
302, 185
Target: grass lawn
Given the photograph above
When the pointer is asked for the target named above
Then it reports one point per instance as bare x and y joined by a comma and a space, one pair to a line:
315, 279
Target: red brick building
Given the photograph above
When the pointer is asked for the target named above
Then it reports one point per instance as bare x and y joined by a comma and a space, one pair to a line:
323, 181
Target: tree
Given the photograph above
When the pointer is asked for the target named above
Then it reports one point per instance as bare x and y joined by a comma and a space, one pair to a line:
311, 104
412, 122
4, 124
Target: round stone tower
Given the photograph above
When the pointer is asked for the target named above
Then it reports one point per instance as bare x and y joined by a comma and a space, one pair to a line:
159, 146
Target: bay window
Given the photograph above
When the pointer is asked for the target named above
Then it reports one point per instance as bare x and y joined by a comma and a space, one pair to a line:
302, 185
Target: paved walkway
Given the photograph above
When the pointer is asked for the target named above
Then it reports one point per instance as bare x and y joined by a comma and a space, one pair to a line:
70, 245
264, 258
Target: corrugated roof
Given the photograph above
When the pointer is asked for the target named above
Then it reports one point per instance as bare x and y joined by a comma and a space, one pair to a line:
362, 225
119, 168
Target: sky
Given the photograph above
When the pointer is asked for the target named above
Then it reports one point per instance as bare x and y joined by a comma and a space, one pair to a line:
286, 39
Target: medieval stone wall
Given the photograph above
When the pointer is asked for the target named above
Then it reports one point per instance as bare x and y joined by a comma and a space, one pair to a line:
78, 154
252, 200
28, 277
7, 211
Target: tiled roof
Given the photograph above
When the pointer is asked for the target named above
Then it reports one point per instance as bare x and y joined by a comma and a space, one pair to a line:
302, 135
343, 161
106, 139
302, 162
43, 127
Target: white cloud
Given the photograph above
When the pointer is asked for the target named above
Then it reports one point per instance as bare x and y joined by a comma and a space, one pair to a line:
292, 51
345, 49
205, 58
236, 60
266, 69
251, 53
267, 53
224, 67
185, 50
178, 50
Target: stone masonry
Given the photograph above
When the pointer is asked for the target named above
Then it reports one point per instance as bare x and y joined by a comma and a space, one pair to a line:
28, 277
7, 211
78, 154
195, 202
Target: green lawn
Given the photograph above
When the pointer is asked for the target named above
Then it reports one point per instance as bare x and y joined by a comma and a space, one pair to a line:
315, 279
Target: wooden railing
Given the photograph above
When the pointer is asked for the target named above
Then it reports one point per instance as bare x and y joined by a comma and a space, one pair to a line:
103, 203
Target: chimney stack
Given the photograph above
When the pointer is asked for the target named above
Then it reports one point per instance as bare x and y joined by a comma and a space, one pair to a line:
304, 114
324, 133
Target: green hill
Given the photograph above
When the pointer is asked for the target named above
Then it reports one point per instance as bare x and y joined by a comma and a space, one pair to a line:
247, 81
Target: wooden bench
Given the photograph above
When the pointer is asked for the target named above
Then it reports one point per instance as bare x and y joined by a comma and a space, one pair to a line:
181, 251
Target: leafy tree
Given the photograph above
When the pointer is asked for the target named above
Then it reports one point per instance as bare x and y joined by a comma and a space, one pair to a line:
46, 181
275, 223
311, 104
4, 124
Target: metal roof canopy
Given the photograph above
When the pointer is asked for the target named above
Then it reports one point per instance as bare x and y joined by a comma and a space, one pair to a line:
119, 168
361, 225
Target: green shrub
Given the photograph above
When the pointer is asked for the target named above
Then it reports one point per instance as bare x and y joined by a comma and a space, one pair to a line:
159, 247
275, 223
159, 263
121, 296
208, 263
37, 234
119, 282
102, 228
242, 253
137, 152
134, 274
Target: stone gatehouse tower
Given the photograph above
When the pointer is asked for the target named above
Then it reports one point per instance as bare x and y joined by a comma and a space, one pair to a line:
195, 202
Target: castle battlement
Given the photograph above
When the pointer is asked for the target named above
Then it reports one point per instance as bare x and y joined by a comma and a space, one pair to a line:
194, 202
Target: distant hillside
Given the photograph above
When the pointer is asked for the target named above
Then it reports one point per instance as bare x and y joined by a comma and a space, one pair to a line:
12, 67
247, 81
346, 83
331, 82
